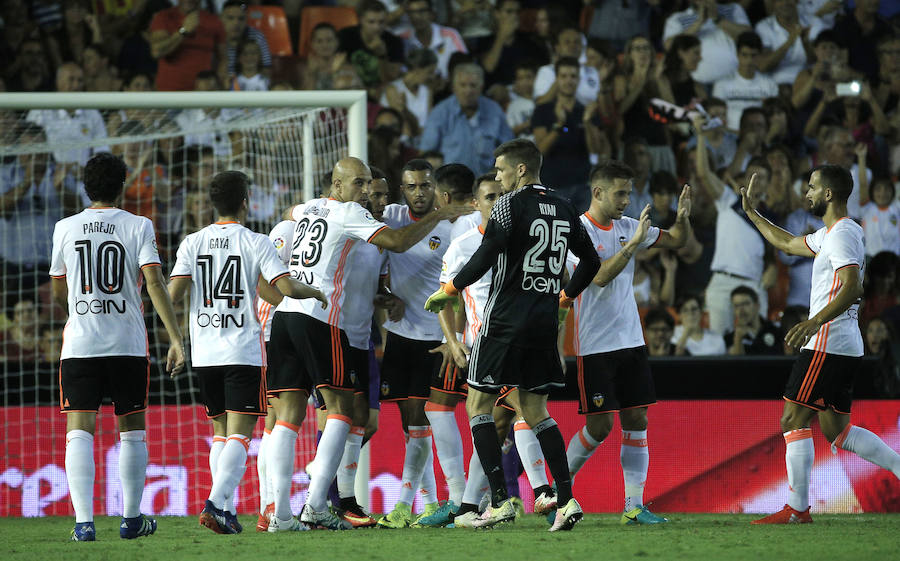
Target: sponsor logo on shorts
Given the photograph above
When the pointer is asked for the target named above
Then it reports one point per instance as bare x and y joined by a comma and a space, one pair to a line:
385, 388
598, 399
434, 242
353, 376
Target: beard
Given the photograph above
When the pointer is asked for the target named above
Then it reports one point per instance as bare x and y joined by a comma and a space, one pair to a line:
818, 208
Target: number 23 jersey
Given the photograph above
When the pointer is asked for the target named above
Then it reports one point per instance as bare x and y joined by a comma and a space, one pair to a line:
101, 252
224, 262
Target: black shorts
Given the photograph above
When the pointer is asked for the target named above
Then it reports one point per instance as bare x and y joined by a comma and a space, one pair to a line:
236, 388
615, 380
450, 379
308, 353
501, 398
359, 370
84, 382
494, 364
407, 367
822, 380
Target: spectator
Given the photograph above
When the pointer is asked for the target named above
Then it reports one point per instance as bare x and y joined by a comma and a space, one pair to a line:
782, 36
881, 218
99, 74
839, 148
658, 329
752, 334
785, 194
521, 104
830, 68
385, 153
632, 90
251, 76
745, 87
21, 342
80, 28
70, 126
17, 28
508, 47
637, 156
860, 31
682, 58
466, 127
617, 22
47, 14
822, 12
881, 288
186, 40
881, 342
569, 43
29, 72
689, 337
435, 158
51, 344
375, 52
887, 88
411, 95
663, 190
473, 18
323, 61
190, 120
717, 26
566, 134
152, 118
135, 55
237, 32
425, 33
198, 211
799, 222
751, 142
145, 183
721, 143
36, 192
791, 316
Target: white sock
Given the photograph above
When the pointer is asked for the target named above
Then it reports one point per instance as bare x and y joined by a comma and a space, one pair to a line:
230, 469
215, 450
346, 473
132, 470
868, 446
264, 489
80, 473
477, 484
418, 446
635, 458
798, 457
428, 485
531, 454
280, 466
580, 448
328, 457
449, 446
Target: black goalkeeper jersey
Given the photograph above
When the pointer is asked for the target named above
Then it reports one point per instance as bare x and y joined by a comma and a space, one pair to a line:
526, 241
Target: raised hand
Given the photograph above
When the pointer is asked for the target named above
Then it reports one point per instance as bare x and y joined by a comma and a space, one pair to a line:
746, 196
684, 203
643, 226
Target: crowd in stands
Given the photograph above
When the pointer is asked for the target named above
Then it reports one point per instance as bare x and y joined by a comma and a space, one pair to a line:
684, 91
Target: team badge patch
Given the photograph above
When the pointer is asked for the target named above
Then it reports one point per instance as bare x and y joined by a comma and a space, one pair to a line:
278, 242
622, 241
597, 399
385, 388
353, 376
434, 242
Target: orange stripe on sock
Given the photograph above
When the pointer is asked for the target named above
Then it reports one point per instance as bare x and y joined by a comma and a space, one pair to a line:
584, 442
521, 425
294, 428
636, 442
219, 439
267, 431
361, 431
795, 435
429, 406
344, 418
422, 433
243, 440
839, 441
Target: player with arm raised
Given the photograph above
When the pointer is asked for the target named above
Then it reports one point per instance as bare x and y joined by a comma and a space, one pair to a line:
526, 241
821, 382
221, 265
100, 259
309, 347
613, 370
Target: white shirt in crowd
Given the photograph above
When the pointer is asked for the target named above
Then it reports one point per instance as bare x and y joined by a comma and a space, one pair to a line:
444, 42
70, 131
710, 343
417, 103
882, 227
101, 252
476, 294
281, 237
255, 83
835, 248
204, 129
773, 37
588, 83
739, 246
719, 56
740, 93
606, 318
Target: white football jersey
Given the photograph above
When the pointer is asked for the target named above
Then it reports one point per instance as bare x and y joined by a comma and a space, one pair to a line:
882, 227
465, 223
415, 275
100, 252
476, 294
280, 236
841, 246
606, 318
369, 263
224, 262
324, 236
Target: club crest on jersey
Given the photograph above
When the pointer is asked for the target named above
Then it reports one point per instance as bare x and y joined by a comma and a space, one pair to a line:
434, 242
385, 388
598, 399
622, 241
278, 242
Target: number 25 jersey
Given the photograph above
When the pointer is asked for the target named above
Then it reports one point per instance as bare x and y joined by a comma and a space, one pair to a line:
100, 252
224, 262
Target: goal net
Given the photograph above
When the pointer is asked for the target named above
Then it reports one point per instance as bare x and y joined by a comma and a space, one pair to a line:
173, 144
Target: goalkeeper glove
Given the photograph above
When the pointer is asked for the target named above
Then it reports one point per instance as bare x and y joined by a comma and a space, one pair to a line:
437, 301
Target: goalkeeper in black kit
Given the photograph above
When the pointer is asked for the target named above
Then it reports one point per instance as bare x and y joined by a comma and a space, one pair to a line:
530, 231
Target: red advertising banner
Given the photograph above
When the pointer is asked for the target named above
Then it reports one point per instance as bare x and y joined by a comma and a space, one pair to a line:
705, 456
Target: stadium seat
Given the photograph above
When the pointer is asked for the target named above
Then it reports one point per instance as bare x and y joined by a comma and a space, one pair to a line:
338, 16
273, 24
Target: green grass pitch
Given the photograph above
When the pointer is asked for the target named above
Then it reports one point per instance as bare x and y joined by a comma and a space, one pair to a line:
709, 537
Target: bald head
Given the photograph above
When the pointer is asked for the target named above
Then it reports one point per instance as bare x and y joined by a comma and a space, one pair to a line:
69, 78
349, 178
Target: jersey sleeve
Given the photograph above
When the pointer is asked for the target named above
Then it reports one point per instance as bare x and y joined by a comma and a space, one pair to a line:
297, 212
148, 254
183, 260
451, 263
814, 240
500, 224
849, 249
360, 224
281, 238
271, 267
57, 259
653, 234
580, 244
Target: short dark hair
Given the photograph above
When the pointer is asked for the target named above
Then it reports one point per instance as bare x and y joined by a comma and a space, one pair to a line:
421, 58
324, 25
417, 164
207, 75
836, 178
687, 297
371, 6
749, 39
753, 111
746, 291
455, 179
610, 170
760, 162
431, 154
658, 314
235, 4
663, 182
884, 180
377, 172
104, 177
228, 190
492, 177
566, 61
827, 36
521, 151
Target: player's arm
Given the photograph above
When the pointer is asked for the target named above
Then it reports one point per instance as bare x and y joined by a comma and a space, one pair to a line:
588, 264
269, 293
178, 287
677, 236
59, 290
400, 239
611, 268
850, 291
458, 351
295, 289
156, 289
780, 238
